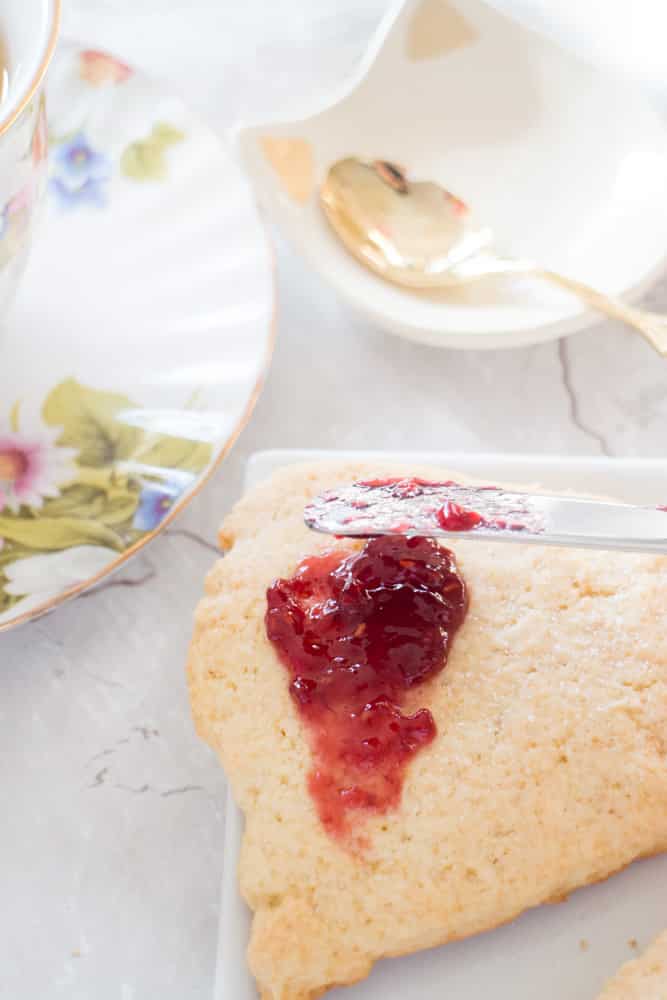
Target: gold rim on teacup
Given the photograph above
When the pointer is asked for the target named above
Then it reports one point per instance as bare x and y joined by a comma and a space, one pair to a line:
40, 72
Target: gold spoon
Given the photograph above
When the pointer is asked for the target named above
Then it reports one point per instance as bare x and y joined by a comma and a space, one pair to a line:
419, 235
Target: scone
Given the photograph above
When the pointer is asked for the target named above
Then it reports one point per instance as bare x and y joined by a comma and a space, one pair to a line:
547, 771
643, 979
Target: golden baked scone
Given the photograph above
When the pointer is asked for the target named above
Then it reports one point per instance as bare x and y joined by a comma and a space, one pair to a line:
643, 979
548, 771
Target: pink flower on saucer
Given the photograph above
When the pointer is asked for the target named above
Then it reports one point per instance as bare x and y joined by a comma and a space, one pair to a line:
40, 137
98, 68
14, 226
32, 467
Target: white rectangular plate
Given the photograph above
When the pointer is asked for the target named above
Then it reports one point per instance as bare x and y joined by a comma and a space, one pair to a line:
554, 952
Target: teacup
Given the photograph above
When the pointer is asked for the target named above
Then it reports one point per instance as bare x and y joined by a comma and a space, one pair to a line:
28, 32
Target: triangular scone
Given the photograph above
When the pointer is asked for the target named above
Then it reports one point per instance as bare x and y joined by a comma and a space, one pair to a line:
548, 771
643, 979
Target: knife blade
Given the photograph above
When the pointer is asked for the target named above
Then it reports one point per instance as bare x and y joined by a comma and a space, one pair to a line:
490, 513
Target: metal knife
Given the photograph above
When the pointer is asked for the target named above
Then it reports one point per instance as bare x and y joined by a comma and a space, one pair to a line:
489, 513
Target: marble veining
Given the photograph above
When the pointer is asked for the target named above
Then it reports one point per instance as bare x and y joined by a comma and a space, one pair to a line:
574, 412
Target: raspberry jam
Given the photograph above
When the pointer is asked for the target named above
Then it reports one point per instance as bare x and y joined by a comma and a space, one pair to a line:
356, 632
453, 517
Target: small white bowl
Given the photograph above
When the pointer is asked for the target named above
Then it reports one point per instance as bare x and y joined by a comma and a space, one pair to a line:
566, 163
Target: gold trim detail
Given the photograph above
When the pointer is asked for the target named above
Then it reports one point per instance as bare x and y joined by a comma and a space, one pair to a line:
436, 28
36, 83
292, 160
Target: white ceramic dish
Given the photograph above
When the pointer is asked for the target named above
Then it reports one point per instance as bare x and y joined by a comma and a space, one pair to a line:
566, 163
558, 952
138, 341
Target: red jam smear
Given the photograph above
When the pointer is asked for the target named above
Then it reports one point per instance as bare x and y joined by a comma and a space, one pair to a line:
357, 632
453, 517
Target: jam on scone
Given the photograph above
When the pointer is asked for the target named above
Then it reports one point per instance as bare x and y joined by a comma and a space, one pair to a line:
356, 632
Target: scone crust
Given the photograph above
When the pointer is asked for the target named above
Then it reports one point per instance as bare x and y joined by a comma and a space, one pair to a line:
645, 978
548, 771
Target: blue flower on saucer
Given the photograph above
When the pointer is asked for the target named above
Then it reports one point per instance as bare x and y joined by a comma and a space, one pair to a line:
155, 502
78, 161
90, 191
80, 172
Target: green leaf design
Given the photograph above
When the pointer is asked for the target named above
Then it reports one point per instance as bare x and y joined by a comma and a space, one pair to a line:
178, 453
119, 510
145, 160
74, 501
113, 458
107, 479
166, 134
50, 534
7, 601
113, 508
142, 161
89, 421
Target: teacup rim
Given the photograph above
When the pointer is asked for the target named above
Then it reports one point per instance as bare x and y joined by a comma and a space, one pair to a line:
16, 107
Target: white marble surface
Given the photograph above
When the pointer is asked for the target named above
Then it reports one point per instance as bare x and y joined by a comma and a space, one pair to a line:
113, 811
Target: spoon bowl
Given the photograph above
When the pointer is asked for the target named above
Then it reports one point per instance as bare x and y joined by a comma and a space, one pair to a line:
461, 95
410, 232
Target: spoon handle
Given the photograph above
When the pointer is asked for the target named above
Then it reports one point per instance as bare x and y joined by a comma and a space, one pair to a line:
651, 325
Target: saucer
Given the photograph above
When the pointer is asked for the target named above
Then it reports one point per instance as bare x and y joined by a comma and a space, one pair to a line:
140, 336
566, 163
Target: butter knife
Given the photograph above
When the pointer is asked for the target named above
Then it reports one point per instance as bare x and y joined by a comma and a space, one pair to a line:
489, 513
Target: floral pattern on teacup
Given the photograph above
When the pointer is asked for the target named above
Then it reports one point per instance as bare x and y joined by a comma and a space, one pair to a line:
98, 68
146, 159
82, 481
16, 215
15, 222
79, 172
157, 499
32, 467
39, 146
84, 159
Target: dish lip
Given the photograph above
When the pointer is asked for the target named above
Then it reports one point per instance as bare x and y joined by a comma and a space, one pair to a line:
77, 589
482, 339
320, 104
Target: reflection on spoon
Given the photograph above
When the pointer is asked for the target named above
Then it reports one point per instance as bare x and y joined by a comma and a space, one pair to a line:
410, 232
419, 235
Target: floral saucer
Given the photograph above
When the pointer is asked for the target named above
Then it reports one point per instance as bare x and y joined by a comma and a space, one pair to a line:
139, 339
